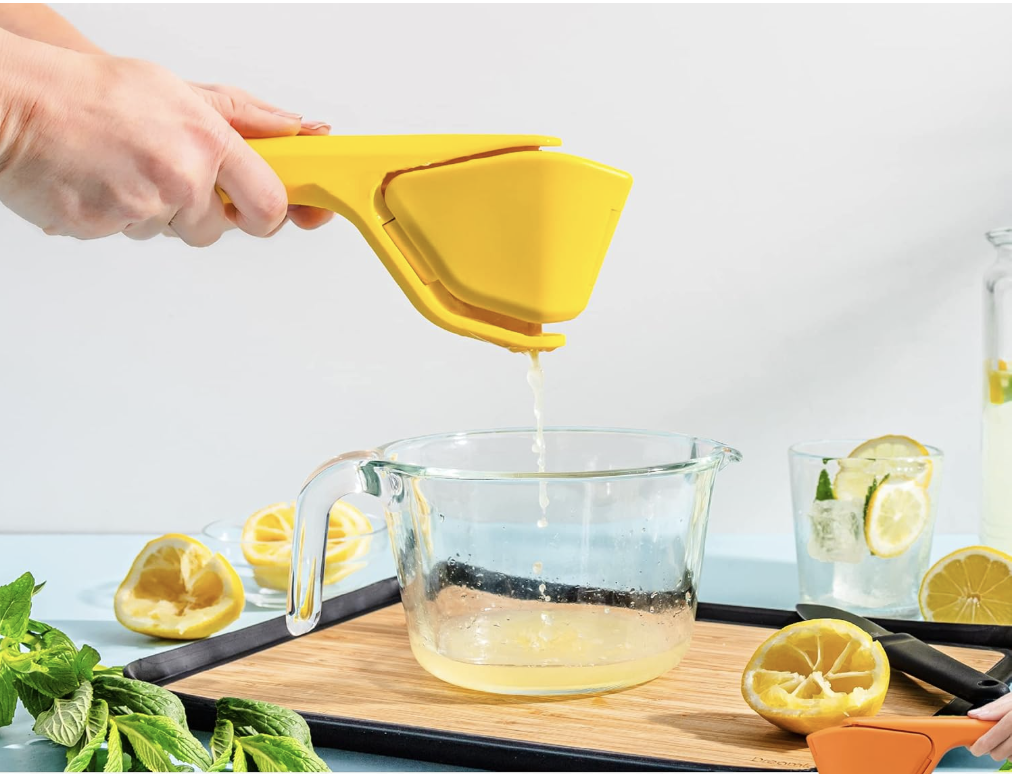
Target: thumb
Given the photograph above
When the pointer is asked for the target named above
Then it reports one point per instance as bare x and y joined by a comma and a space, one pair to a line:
250, 120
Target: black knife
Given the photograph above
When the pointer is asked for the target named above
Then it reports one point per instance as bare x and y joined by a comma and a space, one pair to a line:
914, 657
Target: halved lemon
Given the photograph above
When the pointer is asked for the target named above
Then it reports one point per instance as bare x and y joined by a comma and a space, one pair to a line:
813, 675
267, 543
891, 455
971, 586
896, 515
179, 590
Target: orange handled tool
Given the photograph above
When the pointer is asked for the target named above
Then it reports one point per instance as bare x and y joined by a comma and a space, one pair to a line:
892, 745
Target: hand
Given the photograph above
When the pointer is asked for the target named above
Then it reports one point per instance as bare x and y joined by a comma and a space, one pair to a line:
227, 98
97, 145
997, 741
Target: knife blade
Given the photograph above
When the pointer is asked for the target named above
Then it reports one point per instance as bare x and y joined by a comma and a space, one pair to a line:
914, 657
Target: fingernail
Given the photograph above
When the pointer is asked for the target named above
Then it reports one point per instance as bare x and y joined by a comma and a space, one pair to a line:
286, 114
315, 126
974, 712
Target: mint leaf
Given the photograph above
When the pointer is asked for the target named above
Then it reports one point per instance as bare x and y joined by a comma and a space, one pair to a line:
39, 587
824, 490
87, 658
16, 606
154, 738
65, 721
221, 739
126, 696
871, 490
36, 703
281, 753
8, 696
1006, 766
108, 671
50, 665
98, 723
114, 756
239, 758
251, 717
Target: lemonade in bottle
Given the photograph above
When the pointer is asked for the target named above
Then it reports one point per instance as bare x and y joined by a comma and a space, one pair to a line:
995, 527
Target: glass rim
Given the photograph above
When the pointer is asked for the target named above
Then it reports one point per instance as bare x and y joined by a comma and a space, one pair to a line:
227, 525
721, 453
797, 450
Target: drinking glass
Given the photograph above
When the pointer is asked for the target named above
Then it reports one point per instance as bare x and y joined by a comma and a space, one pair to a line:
864, 526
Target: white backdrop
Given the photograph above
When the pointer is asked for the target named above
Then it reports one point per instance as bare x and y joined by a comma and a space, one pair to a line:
800, 255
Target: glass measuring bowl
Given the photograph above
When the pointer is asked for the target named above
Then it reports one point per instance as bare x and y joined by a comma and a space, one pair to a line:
602, 596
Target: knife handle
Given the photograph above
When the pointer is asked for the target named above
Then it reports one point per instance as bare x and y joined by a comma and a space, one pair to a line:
916, 658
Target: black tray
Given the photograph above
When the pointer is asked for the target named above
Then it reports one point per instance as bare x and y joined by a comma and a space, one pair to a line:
490, 753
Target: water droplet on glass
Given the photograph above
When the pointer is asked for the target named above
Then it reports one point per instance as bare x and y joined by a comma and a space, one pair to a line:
537, 568
651, 609
542, 523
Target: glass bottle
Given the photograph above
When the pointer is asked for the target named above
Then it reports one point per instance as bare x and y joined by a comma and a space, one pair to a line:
995, 527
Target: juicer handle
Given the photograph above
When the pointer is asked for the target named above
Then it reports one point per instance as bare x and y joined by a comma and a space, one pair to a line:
329, 483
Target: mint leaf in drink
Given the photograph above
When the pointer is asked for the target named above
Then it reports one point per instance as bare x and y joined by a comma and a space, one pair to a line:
114, 755
251, 717
65, 721
16, 606
50, 663
154, 738
8, 696
98, 723
1006, 766
126, 696
239, 758
87, 658
35, 702
281, 753
824, 490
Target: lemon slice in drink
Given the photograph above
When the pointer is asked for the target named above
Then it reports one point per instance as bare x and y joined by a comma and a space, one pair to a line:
267, 543
813, 675
888, 455
178, 589
970, 586
896, 515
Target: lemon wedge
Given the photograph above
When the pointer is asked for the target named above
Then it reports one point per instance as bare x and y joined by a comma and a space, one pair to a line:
813, 675
178, 589
970, 586
267, 543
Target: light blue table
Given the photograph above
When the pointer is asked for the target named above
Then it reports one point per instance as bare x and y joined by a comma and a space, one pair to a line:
757, 570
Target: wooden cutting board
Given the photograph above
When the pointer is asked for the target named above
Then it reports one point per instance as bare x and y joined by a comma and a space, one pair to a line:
362, 671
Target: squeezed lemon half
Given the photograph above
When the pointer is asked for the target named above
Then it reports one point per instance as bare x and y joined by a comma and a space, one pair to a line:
813, 675
178, 589
970, 586
267, 543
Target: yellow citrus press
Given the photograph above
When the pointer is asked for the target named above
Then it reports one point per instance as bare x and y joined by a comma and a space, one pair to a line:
487, 235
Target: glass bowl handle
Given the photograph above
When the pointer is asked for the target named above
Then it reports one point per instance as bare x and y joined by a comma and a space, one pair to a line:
336, 478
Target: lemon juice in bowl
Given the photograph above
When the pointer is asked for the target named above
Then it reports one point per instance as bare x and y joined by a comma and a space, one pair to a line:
864, 515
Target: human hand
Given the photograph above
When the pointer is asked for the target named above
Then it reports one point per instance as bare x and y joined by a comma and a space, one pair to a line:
96, 145
997, 741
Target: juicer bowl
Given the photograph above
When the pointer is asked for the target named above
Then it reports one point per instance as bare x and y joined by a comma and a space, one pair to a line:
593, 592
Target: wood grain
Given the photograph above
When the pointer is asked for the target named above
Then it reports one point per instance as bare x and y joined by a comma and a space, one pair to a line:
363, 669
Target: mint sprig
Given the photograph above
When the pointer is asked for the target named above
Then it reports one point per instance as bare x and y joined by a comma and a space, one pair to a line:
111, 723
824, 490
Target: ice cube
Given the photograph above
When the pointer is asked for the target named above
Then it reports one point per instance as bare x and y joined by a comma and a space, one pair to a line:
836, 531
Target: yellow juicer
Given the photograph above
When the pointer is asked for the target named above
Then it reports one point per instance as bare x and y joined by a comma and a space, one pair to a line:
487, 235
